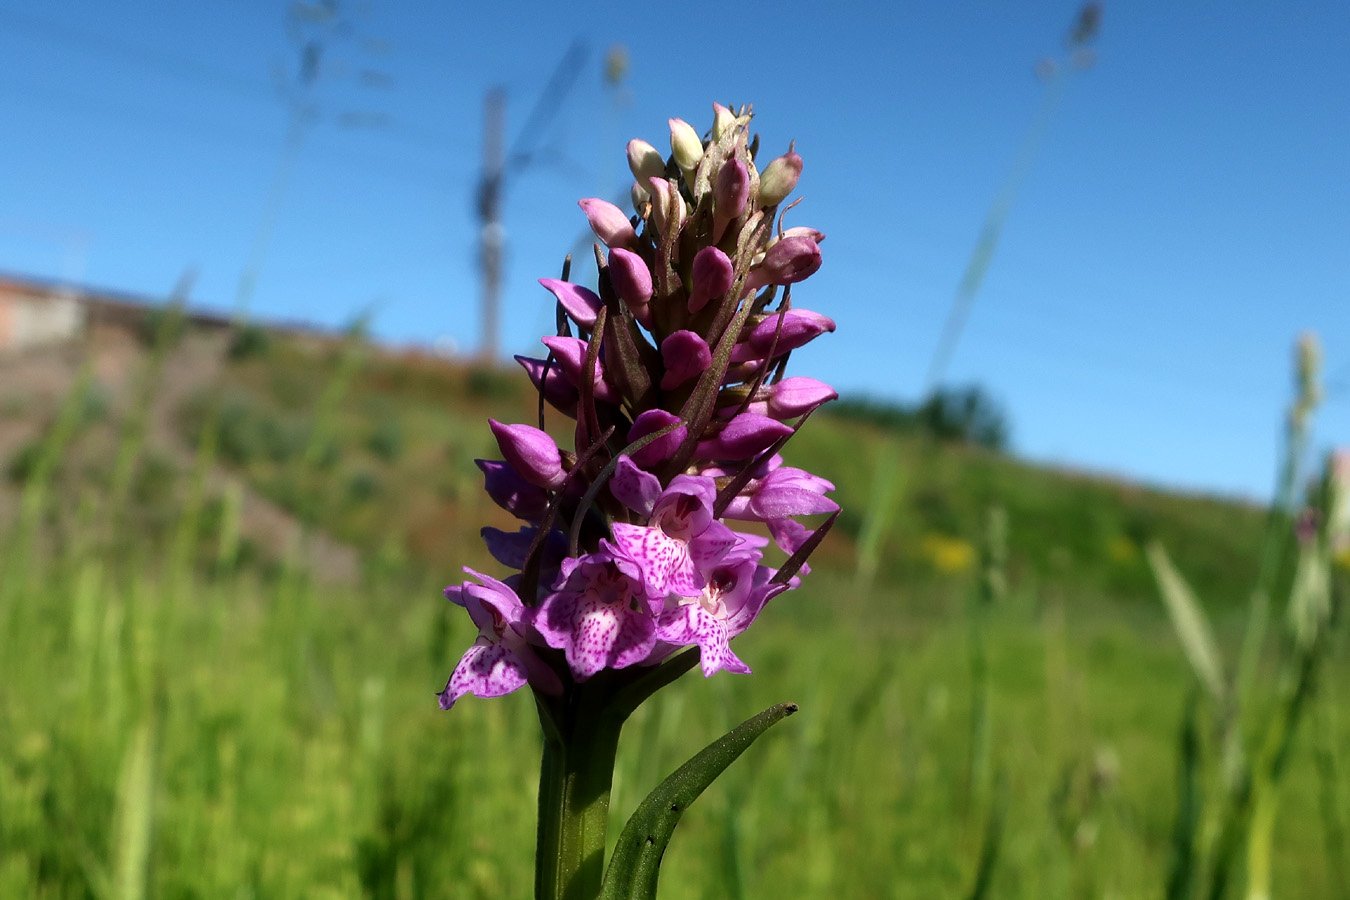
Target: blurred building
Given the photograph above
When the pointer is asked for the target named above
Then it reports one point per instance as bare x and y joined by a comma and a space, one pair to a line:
37, 313
34, 314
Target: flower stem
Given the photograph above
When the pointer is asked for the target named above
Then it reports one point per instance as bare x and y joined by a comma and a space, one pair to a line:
580, 741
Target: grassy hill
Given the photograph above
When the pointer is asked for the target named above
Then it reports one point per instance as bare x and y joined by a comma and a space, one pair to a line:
373, 449
220, 562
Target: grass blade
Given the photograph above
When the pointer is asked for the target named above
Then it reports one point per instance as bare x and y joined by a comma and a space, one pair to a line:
1197, 638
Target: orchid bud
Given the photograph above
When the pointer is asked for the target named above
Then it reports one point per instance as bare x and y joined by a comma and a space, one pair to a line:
531, 452
686, 356
645, 161
685, 144
509, 549
779, 178
608, 222
640, 197
798, 327
667, 205
730, 195
571, 355
797, 395
581, 303
744, 436
799, 231
512, 492
664, 447
786, 262
712, 275
550, 381
631, 278
724, 120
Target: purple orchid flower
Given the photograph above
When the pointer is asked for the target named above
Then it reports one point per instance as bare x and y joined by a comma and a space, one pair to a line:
598, 614
531, 453
634, 569
681, 541
581, 303
738, 588
511, 548
500, 660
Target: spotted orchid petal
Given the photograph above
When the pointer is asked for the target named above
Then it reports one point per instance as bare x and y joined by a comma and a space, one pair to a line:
500, 660
682, 540
693, 624
485, 670
596, 617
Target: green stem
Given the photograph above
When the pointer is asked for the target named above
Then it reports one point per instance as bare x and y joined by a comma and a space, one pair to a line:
580, 742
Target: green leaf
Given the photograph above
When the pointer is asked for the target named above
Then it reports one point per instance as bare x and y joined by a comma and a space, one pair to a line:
1197, 638
636, 863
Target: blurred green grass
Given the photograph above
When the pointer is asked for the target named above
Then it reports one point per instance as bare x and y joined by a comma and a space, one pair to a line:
175, 727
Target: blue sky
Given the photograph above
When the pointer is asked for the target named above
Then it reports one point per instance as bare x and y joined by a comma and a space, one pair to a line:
1187, 215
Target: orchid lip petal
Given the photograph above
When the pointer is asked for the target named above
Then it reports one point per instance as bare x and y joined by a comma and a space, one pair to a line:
486, 670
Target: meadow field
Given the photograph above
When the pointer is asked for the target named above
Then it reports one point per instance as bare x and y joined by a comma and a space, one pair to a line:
223, 633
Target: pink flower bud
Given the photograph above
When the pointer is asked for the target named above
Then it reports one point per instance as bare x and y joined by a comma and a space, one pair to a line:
686, 356
571, 356
557, 389
794, 396
779, 179
664, 447
511, 492
531, 452
667, 205
712, 275
608, 222
632, 280
731, 194
580, 302
645, 161
744, 436
685, 144
801, 231
799, 326
789, 261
